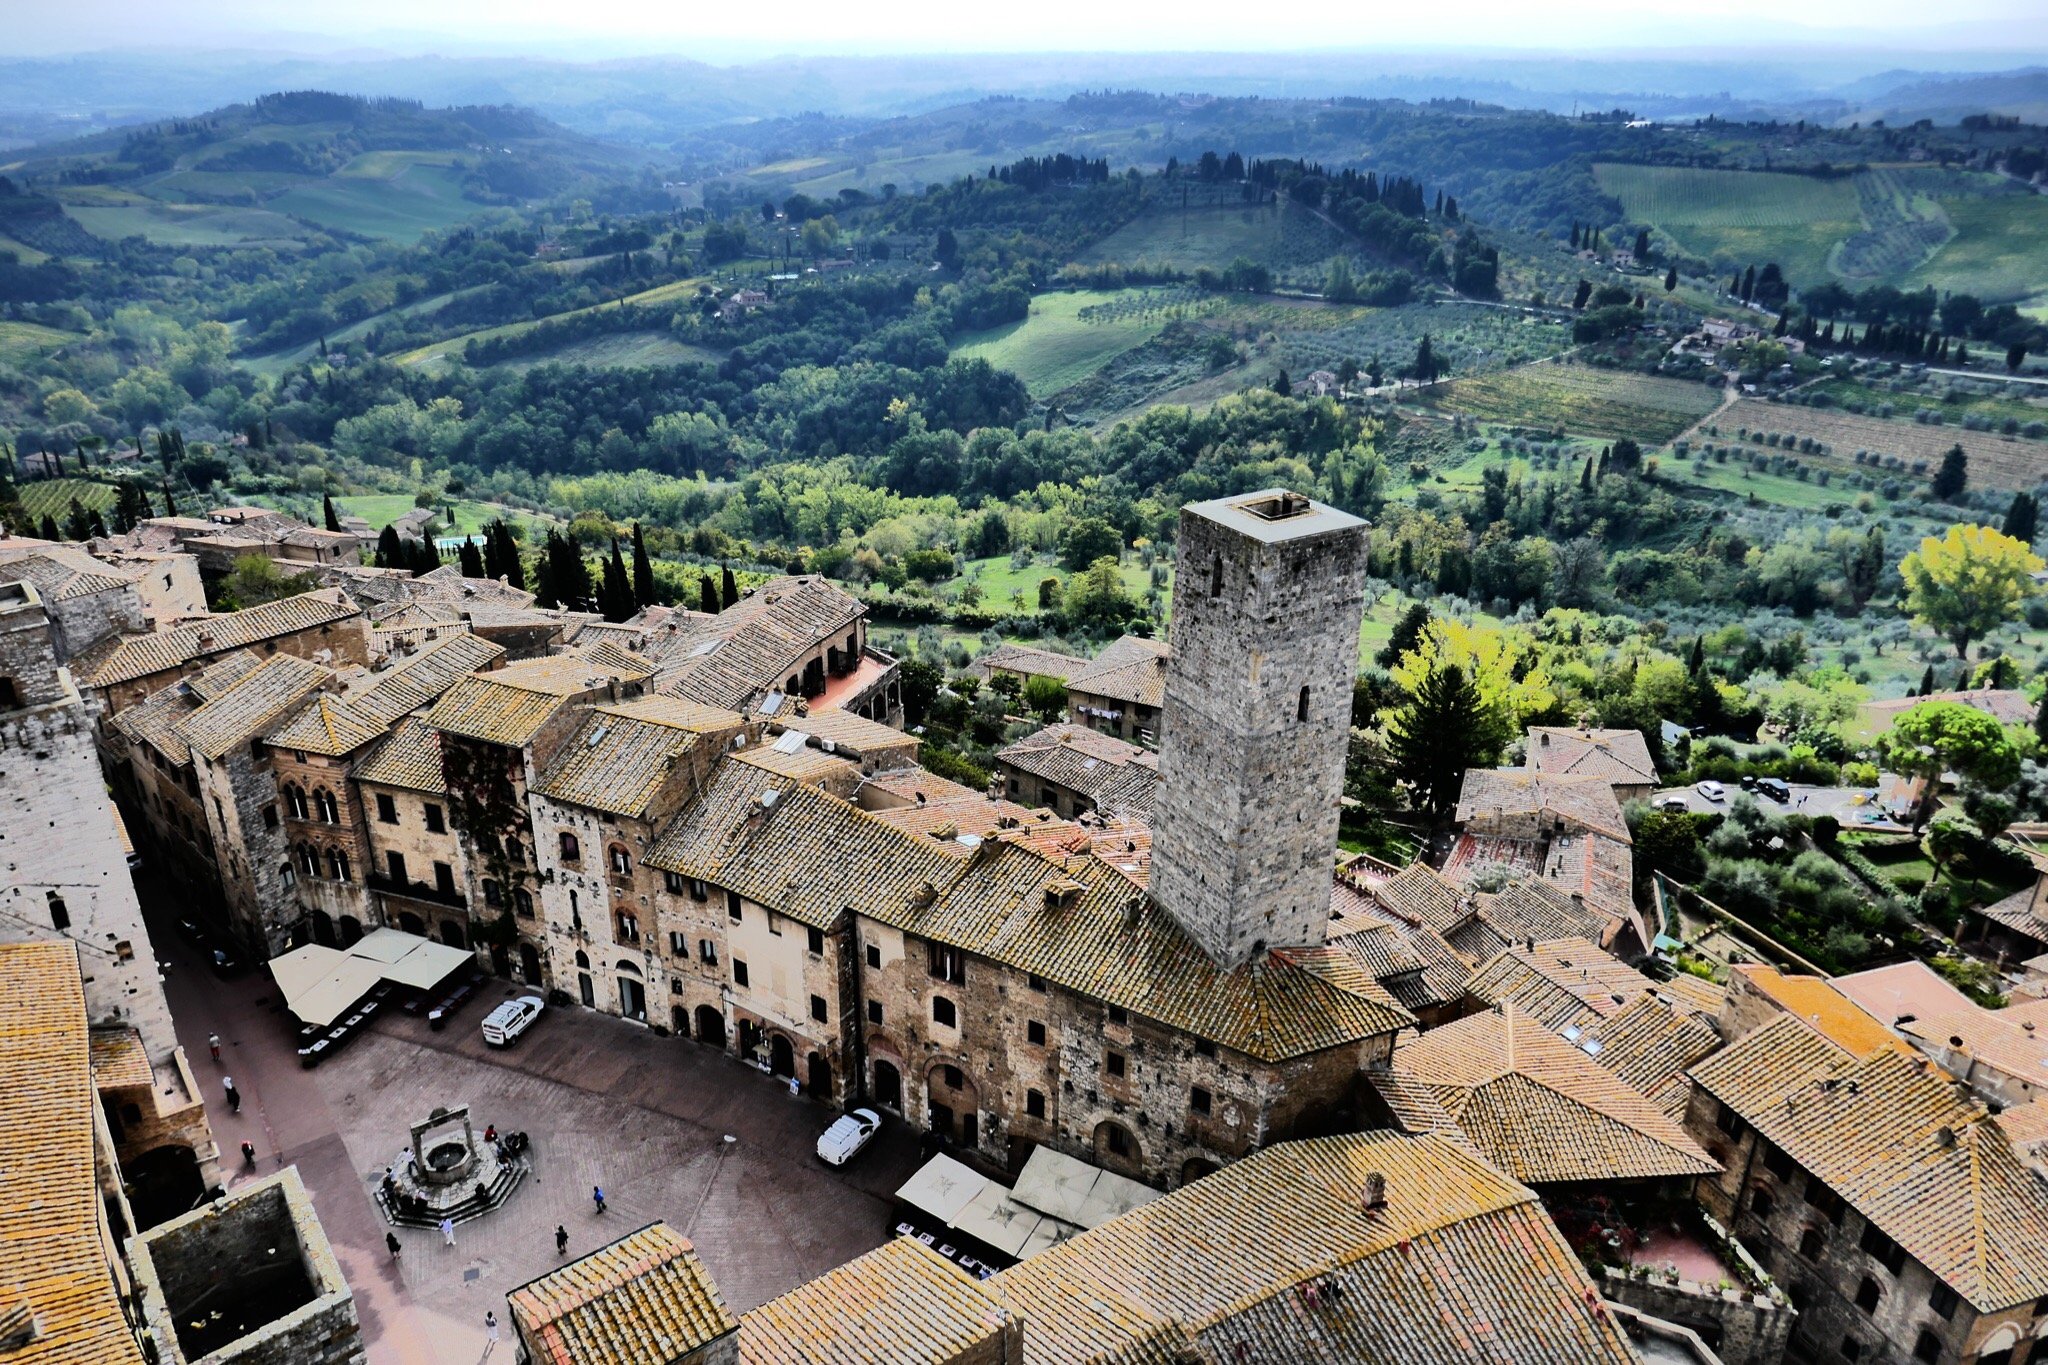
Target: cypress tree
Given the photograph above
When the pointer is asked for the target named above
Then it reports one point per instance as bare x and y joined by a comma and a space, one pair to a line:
1699, 654
1671, 279
729, 589
707, 595
643, 570
47, 528
170, 503
2023, 518
333, 518
1586, 476
389, 554
471, 558
2041, 720
615, 597
1927, 682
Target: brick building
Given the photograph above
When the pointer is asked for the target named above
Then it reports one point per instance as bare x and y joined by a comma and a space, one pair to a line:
1122, 690
323, 627
1072, 770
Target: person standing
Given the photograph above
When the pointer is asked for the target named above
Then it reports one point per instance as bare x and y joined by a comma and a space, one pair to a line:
448, 1231
234, 1096
491, 1326
213, 1045
561, 1240
391, 1241
249, 1155
597, 1197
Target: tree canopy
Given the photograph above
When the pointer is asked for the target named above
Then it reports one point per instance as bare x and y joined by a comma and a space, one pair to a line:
1968, 583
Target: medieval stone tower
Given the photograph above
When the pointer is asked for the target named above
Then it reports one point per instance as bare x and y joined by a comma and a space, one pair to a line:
1266, 604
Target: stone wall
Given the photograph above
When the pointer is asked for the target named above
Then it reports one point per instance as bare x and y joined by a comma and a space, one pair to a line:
232, 1240
1258, 714
1742, 1328
319, 891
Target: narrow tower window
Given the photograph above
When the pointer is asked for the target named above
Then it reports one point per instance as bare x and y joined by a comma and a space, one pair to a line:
1216, 577
1301, 706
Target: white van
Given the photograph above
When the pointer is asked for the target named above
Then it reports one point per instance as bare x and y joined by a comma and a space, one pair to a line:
505, 1023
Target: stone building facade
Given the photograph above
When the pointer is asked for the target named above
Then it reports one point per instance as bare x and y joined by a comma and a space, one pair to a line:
1258, 710
416, 879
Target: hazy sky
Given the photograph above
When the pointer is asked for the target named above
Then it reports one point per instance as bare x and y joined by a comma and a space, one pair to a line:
722, 31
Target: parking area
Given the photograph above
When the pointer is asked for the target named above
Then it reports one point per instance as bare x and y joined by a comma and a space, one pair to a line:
670, 1129
1855, 807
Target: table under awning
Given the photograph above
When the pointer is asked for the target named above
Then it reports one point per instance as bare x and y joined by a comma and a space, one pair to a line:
941, 1188
321, 984
1056, 1197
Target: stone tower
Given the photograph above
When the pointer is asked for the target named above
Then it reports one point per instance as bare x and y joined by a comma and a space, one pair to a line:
1267, 596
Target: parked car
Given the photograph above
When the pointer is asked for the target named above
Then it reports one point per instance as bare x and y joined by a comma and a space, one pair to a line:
1712, 790
1775, 788
505, 1023
849, 1133
1672, 801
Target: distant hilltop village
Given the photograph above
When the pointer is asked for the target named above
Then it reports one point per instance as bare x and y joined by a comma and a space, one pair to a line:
1445, 1112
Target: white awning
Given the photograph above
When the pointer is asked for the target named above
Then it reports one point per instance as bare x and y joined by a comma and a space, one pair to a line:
996, 1220
330, 998
428, 964
319, 984
301, 969
385, 945
1075, 1192
941, 1188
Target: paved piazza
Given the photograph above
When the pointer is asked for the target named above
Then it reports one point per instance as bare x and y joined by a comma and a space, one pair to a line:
605, 1102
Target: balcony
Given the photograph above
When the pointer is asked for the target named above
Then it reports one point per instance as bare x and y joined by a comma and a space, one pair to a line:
417, 891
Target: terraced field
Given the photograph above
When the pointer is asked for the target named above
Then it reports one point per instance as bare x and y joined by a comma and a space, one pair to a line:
52, 497
627, 350
438, 351
21, 341
186, 224
1995, 461
1741, 216
1584, 402
1067, 337
399, 195
1281, 235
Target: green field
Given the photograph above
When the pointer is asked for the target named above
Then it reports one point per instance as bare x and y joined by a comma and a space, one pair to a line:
185, 224
52, 497
1585, 402
2000, 250
625, 350
1068, 337
399, 195
1740, 216
1281, 235
21, 341
22, 251
452, 348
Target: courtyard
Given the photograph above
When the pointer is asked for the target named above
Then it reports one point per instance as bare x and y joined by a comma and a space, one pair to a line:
670, 1129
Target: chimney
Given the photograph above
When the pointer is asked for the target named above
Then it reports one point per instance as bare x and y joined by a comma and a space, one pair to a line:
1374, 1198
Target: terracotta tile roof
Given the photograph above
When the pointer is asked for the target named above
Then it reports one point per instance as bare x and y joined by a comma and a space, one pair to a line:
752, 647
138, 656
978, 816
1274, 1258
1615, 756
2017, 912
328, 726
614, 658
1578, 800
1650, 1044
249, 706
1541, 1108
903, 1304
422, 677
1113, 775
909, 784
52, 1256
1027, 662
1412, 961
622, 757
155, 719
643, 1299
1557, 981
1889, 1133
62, 573
2013, 1046
1695, 993
408, 758
2007, 706
845, 730
813, 767
119, 1061
1129, 669
509, 705
1817, 1004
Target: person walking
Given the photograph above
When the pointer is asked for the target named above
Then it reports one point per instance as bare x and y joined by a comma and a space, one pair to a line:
561, 1240
597, 1197
448, 1231
234, 1096
213, 1045
391, 1240
491, 1326
249, 1155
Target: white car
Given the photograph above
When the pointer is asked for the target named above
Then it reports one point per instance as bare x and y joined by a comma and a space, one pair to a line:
1712, 790
849, 1133
505, 1023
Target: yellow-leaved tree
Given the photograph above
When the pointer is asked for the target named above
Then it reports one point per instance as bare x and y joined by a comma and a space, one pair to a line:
1968, 583
1466, 692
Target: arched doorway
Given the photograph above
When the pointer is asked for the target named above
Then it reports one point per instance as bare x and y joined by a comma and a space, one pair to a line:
710, 1026
323, 928
953, 1104
781, 1056
888, 1085
632, 995
1195, 1168
679, 1021
411, 923
529, 964
351, 931
501, 961
1116, 1148
163, 1183
451, 934
821, 1076
588, 990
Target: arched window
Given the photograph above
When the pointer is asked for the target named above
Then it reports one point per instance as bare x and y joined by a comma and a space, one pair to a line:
1927, 1348
1867, 1295
1760, 1203
620, 860
287, 874
582, 959
329, 812
60, 914
513, 852
522, 901
337, 864
572, 850
629, 928
1811, 1243
309, 861
295, 801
